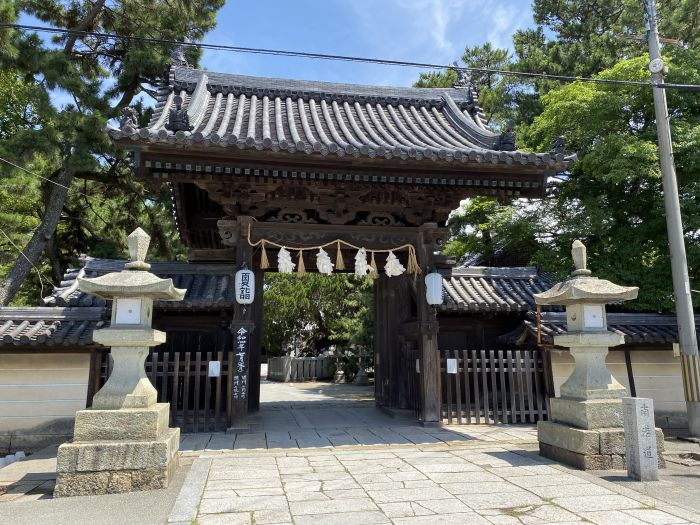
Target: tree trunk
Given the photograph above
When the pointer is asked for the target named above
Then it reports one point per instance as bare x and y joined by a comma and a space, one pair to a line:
37, 244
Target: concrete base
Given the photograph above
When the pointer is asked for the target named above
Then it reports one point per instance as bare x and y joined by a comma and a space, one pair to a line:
108, 466
591, 413
595, 449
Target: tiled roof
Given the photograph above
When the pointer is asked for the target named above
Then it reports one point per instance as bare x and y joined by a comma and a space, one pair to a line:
485, 289
208, 285
324, 118
50, 326
638, 328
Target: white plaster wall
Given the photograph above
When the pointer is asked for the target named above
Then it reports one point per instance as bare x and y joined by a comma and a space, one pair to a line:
657, 375
39, 396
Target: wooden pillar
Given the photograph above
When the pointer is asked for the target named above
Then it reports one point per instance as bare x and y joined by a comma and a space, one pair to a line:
428, 327
242, 328
256, 342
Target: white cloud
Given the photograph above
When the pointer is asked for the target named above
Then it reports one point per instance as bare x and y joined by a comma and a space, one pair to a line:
505, 19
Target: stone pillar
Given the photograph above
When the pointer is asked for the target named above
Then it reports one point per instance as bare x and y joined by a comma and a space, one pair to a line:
123, 442
640, 439
586, 430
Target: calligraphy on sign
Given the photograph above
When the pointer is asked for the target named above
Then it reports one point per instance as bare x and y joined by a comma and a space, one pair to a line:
245, 286
240, 363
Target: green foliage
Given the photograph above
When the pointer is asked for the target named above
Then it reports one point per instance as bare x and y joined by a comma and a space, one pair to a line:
486, 227
612, 198
56, 95
313, 311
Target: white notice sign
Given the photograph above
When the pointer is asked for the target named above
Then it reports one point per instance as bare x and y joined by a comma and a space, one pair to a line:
451, 366
214, 368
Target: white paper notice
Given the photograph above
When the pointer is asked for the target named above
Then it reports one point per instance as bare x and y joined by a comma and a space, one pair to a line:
451, 366
214, 368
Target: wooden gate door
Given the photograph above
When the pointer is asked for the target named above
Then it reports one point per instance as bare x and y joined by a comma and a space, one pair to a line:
493, 386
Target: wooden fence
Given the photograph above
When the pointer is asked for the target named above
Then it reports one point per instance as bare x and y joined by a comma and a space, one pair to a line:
493, 386
198, 402
288, 368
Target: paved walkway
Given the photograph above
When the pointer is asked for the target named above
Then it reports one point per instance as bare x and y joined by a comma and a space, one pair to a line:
323, 454
434, 484
313, 415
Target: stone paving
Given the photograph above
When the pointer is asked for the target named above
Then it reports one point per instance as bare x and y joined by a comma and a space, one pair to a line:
462, 483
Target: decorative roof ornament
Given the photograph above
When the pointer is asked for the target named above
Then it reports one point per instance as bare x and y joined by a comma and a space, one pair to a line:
179, 120
558, 145
506, 140
463, 78
129, 118
178, 56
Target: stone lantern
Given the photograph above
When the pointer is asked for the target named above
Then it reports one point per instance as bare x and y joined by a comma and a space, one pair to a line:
123, 442
586, 430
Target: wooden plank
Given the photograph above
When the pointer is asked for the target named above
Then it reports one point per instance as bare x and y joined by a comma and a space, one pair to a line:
537, 369
458, 390
207, 394
163, 394
154, 368
196, 397
217, 398
176, 388
494, 386
467, 394
510, 367
448, 388
475, 377
519, 374
528, 382
504, 390
484, 387
630, 373
186, 393
94, 376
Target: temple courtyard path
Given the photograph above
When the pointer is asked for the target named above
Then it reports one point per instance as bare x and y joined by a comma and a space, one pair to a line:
324, 454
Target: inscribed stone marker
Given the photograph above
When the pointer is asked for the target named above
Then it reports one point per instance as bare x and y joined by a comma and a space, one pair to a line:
640, 439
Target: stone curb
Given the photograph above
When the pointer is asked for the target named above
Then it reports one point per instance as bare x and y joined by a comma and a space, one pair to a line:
187, 502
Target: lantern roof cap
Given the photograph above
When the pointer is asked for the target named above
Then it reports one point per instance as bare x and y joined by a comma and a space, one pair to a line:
134, 280
581, 287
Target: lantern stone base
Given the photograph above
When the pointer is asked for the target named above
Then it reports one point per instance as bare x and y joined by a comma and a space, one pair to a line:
590, 414
594, 449
118, 451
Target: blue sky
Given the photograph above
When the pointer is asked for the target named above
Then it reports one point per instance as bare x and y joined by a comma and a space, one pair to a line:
434, 31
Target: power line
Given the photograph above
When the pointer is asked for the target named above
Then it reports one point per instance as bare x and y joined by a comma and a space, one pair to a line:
38, 272
44, 178
346, 58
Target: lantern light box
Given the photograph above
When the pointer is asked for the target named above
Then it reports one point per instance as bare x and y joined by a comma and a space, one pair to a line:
128, 310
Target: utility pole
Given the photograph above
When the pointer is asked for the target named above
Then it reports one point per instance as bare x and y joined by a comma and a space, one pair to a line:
679, 267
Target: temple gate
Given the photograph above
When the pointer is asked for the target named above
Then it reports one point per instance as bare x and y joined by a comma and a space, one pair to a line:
301, 164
